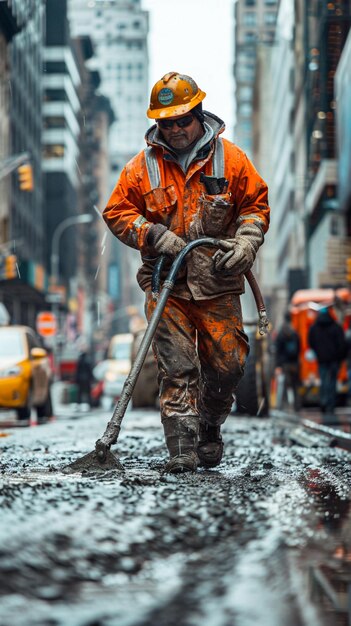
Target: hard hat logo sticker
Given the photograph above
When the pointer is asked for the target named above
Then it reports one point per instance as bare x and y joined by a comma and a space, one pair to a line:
165, 96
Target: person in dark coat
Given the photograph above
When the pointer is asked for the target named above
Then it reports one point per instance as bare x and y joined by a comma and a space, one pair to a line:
84, 378
327, 339
287, 352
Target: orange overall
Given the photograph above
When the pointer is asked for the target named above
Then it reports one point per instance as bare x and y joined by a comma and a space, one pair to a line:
199, 344
201, 350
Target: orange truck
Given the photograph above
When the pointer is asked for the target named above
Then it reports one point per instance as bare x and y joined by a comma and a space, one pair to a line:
304, 307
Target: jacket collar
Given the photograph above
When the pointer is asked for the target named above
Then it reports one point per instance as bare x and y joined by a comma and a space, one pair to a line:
216, 126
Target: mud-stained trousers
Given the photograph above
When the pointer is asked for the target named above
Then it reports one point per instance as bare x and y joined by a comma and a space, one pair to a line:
201, 349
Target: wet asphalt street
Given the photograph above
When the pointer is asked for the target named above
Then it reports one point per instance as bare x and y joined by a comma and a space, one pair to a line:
262, 540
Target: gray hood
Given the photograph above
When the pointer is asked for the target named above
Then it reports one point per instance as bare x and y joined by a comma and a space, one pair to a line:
213, 127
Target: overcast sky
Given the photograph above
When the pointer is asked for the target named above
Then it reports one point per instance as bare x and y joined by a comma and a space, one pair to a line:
195, 37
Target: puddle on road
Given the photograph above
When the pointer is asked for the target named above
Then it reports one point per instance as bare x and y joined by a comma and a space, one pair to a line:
330, 575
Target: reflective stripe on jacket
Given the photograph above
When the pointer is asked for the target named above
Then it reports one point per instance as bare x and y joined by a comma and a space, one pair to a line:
179, 202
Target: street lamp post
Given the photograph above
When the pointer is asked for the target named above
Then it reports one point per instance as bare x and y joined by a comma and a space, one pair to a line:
83, 218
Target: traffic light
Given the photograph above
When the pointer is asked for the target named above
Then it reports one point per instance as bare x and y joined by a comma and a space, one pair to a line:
11, 266
25, 175
348, 269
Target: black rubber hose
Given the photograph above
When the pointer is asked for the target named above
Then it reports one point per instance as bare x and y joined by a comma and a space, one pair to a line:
156, 276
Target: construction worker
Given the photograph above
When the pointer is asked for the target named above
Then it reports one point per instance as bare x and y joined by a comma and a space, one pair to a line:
160, 203
327, 339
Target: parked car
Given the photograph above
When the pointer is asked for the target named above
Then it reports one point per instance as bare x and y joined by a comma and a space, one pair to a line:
113, 371
25, 373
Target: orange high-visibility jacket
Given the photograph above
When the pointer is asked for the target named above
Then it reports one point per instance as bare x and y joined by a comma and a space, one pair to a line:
178, 202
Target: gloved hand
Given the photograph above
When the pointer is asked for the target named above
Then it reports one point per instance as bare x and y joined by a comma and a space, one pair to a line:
164, 241
241, 250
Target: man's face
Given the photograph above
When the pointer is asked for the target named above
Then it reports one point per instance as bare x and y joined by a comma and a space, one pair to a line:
182, 135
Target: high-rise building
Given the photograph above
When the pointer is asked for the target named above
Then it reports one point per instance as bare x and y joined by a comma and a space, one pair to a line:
23, 224
119, 30
254, 23
310, 228
327, 27
61, 82
343, 108
76, 122
9, 27
273, 154
254, 30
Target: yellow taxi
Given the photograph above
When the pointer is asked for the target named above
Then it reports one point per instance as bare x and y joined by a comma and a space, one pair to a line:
25, 373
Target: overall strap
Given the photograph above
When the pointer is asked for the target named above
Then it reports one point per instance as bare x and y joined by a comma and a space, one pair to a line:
152, 167
218, 159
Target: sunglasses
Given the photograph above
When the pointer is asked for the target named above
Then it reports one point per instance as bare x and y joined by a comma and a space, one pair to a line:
183, 122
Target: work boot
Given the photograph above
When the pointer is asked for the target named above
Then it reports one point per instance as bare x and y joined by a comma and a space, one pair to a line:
210, 446
181, 463
181, 441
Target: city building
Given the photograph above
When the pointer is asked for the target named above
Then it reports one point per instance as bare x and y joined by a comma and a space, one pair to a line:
343, 109
119, 31
254, 24
22, 219
309, 236
273, 154
9, 27
327, 27
75, 165
254, 32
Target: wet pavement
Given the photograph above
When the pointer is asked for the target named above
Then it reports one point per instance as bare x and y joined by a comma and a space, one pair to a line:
264, 539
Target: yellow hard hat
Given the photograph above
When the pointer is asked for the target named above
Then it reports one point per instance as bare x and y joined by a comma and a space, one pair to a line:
174, 94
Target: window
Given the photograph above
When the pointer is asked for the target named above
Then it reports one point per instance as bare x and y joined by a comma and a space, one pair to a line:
245, 110
250, 19
55, 122
249, 36
246, 94
55, 95
55, 151
270, 18
55, 67
246, 74
250, 3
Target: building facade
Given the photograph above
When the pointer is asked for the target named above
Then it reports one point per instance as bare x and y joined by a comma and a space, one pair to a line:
327, 27
23, 223
254, 24
9, 27
309, 236
119, 31
75, 165
343, 108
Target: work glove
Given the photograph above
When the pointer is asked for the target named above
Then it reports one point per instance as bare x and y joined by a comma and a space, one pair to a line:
164, 241
241, 250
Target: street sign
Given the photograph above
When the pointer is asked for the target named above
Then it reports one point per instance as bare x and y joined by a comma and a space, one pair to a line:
46, 324
54, 298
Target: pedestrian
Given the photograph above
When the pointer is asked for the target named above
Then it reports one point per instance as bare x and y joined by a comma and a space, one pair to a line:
327, 339
84, 378
160, 203
287, 361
